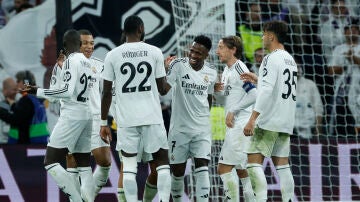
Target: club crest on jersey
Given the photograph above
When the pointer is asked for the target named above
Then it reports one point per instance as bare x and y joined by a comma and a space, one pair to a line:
94, 69
67, 76
206, 79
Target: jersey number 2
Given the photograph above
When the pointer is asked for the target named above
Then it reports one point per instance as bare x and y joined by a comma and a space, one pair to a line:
140, 69
290, 77
83, 80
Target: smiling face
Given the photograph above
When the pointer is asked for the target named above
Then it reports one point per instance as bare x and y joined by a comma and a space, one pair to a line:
224, 53
198, 53
87, 45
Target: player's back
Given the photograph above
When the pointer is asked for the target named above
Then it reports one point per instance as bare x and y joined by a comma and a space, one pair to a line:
279, 70
134, 67
77, 80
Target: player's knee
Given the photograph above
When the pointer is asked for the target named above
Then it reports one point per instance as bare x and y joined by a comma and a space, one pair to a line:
161, 157
178, 170
201, 162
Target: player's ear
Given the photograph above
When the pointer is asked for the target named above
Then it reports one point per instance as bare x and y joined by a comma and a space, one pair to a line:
141, 29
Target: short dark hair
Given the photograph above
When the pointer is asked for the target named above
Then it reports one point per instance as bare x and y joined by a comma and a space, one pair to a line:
132, 24
24, 76
71, 38
84, 32
234, 41
203, 40
279, 28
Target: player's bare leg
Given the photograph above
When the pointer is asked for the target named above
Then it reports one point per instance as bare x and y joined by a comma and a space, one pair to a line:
103, 161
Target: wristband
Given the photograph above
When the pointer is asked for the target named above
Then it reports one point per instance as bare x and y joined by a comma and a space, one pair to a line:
103, 123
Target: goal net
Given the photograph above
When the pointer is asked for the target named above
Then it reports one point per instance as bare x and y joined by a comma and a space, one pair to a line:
324, 148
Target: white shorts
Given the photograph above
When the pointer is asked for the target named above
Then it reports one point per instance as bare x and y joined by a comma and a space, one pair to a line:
233, 151
141, 155
153, 137
74, 135
186, 145
96, 141
270, 143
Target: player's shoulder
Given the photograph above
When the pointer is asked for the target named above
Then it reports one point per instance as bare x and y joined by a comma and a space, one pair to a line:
240, 67
209, 68
177, 62
96, 61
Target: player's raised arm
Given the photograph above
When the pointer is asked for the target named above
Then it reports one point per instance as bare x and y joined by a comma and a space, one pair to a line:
67, 86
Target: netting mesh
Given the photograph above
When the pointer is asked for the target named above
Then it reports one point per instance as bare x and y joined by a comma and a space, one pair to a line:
323, 38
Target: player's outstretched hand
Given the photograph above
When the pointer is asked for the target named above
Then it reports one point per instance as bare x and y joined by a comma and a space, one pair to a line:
229, 120
60, 60
249, 128
105, 134
168, 61
249, 77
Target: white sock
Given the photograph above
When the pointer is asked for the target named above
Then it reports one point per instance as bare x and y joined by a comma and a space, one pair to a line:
74, 174
150, 191
231, 188
248, 191
286, 182
177, 188
258, 181
64, 181
164, 182
87, 187
202, 184
129, 178
121, 195
101, 175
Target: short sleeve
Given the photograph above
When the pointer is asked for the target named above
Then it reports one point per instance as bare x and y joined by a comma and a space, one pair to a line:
160, 67
108, 69
173, 72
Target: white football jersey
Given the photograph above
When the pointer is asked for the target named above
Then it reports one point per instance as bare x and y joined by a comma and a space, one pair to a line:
276, 96
235, 90
97, 66
134, 67
74, 87
190, 90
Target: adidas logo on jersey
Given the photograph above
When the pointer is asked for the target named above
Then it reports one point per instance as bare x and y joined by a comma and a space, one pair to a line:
186, 76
